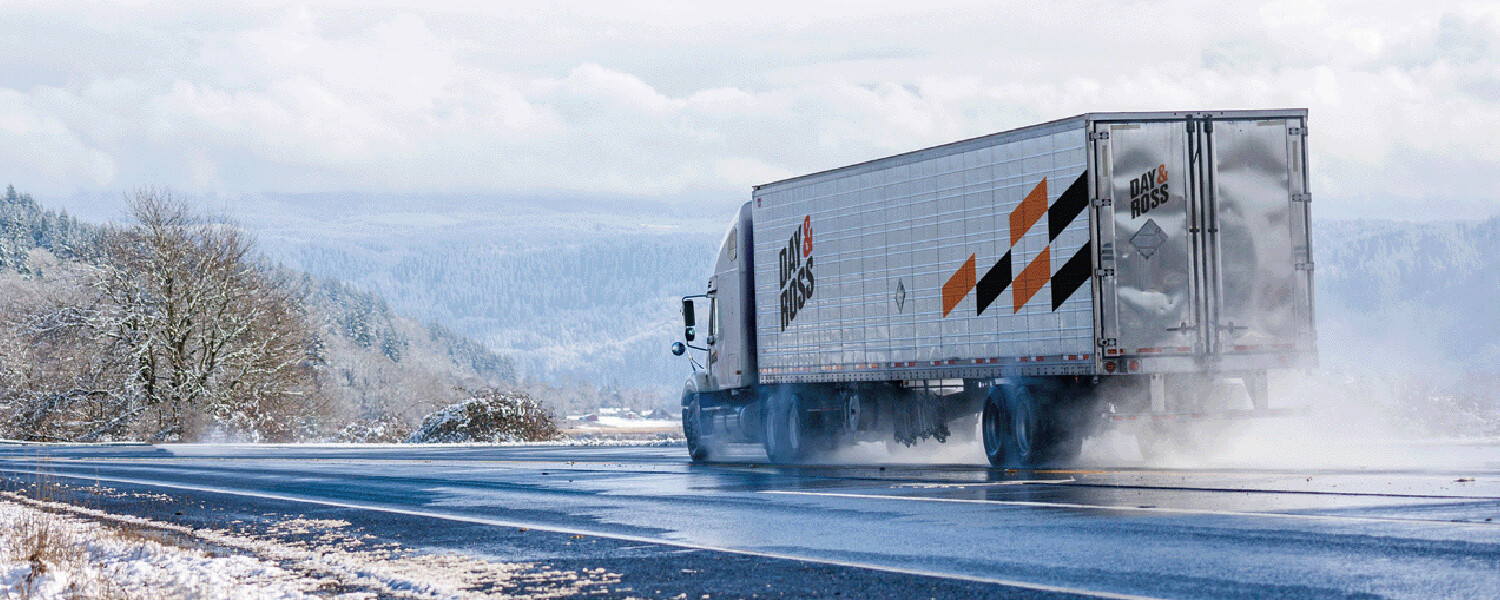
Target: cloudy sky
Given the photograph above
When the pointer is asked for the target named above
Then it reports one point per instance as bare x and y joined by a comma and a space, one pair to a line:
682, 99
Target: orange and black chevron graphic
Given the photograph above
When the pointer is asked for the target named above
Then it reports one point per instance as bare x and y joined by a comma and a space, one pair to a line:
1039, 273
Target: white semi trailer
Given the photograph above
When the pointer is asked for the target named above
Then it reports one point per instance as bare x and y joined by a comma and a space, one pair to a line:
1137, 268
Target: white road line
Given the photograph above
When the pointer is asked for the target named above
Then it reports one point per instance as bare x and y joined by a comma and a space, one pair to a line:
1152, 509
1025, 585
936, 485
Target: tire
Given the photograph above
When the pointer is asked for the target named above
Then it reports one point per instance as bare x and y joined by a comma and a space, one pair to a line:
1041, 430
692, 429
1025, 443
1062, 425
786, 436
994, 428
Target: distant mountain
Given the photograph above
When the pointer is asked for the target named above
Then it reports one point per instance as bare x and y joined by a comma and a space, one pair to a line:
1409, 296
574, 292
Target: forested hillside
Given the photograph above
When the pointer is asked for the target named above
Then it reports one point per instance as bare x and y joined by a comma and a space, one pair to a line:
600, 310
24, 227
78, 354
579, 293
1410, 296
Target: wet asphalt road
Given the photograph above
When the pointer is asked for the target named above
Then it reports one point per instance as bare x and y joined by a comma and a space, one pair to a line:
744, 529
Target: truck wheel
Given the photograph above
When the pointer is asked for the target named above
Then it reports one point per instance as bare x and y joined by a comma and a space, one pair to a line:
1040, 430
994, 429
786, 434
1025, 441
692, 429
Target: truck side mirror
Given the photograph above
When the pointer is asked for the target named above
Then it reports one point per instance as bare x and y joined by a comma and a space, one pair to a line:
687, 319
678, 349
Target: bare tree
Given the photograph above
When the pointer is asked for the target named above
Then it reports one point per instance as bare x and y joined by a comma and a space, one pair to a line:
208, 338
53, 381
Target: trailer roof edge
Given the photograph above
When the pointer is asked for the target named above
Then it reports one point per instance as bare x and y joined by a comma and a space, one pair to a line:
1020, 133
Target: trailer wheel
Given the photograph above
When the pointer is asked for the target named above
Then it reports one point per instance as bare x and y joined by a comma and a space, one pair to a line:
994, 425
1025, 440
692, 429
787, 440
1041, 427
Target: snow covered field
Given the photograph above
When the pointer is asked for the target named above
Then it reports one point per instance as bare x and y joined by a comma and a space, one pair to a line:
55, 551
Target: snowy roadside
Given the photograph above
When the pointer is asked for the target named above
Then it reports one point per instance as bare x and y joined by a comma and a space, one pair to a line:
579, 441
570, 442
53, 551
48, 556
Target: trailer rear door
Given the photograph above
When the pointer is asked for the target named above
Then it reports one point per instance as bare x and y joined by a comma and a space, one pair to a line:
1257, 228
1202, 231
1147, 235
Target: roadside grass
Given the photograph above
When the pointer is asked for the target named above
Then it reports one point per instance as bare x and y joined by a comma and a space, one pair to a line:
46, 554
52, 564
43, 555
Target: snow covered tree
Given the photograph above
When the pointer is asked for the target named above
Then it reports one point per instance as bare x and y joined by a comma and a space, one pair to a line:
205, 332
55, 382
129, 332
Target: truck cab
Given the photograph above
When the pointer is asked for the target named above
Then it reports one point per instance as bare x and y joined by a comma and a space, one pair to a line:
723, 320
724, 316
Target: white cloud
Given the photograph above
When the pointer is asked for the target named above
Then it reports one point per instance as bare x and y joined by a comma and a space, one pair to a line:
745, 172
44, 148
665, 98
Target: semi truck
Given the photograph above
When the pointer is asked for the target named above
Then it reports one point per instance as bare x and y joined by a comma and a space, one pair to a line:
1030, 288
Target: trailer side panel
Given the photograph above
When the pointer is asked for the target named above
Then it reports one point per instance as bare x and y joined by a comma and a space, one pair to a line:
966, 260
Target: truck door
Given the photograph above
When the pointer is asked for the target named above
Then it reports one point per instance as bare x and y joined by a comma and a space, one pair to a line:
1203, 243
1257, 227
1145, 227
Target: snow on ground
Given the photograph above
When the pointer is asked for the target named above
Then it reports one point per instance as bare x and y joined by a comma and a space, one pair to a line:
618, 422
570, 441
614, 426
46, 556
55, 551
